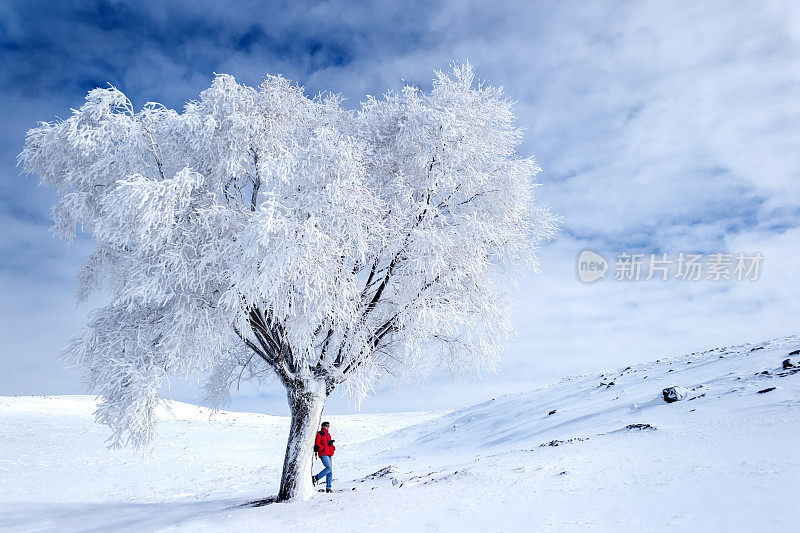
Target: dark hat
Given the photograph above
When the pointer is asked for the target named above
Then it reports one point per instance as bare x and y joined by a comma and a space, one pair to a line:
326, 423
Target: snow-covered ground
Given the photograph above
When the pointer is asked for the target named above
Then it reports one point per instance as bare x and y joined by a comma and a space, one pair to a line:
613, 456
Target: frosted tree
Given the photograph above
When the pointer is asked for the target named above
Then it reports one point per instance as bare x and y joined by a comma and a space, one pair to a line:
262, 233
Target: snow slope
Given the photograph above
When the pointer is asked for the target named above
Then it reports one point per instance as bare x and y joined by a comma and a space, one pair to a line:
613, 456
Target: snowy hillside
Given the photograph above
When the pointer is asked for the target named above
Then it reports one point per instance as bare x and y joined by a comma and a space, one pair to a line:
601, 451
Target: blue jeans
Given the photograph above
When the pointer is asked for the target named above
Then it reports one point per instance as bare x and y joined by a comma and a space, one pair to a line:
327, 471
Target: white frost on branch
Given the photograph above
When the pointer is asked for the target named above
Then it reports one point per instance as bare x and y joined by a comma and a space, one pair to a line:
262, 232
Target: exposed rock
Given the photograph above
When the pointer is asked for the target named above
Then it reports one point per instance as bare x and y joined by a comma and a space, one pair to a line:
551, 412
639, 426
560, 442
390, 472
674, 394
796, 352
766, 390
787, 364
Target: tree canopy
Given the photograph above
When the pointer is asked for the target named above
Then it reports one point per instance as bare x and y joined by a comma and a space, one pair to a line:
263, 232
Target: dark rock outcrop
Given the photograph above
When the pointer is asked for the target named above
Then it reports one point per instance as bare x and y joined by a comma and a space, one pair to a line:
674, 394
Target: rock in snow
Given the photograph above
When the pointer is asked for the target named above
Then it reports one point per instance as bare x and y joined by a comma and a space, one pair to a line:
674, 394
638, 426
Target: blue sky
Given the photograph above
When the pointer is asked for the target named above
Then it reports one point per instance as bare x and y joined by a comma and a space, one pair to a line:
660, 128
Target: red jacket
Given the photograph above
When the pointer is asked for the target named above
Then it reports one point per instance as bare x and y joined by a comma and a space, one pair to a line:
324, 444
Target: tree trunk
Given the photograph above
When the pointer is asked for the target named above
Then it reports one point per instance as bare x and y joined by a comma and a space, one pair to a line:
305, 402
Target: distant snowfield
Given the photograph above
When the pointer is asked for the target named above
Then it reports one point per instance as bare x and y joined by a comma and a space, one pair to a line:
727, 458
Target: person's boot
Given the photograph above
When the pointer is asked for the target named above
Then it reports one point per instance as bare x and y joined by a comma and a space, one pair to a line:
328, 490
313, 480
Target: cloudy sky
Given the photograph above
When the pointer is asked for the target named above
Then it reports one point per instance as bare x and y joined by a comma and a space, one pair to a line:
661, 128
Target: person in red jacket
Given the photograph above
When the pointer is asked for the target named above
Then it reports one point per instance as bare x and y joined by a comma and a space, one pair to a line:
324, 448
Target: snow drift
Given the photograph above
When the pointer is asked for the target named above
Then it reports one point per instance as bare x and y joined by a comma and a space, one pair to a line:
597, 451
